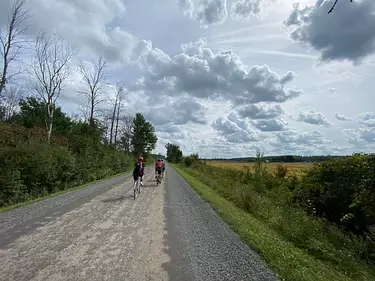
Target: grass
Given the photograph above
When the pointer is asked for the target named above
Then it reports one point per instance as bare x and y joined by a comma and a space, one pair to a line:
293, 168
34, 200
289, 261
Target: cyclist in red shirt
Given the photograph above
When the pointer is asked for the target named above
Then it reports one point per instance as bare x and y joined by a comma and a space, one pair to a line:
158, 167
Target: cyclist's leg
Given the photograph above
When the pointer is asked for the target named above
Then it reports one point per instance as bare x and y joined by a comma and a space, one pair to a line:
160, 171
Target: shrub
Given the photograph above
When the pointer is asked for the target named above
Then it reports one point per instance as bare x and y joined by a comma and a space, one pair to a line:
341, 191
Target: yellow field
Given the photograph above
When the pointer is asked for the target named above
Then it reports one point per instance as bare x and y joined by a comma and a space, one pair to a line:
295, 168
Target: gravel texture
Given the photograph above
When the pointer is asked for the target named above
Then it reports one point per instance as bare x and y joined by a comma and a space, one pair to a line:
100, 233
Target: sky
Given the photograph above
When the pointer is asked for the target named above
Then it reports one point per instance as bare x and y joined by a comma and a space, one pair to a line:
221, 78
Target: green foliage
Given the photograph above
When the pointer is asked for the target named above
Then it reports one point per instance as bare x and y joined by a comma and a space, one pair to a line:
30, 167
33, 113
190, 160
339, 190
174, 153
342, 191
143, 139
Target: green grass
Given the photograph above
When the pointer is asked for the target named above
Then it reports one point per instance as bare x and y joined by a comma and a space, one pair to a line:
285, 258
21, 204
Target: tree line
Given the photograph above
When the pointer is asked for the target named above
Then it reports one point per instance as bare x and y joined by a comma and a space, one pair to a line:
44, 150
281, 158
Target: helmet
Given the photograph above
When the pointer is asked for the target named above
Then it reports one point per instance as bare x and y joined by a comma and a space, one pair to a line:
159, 160
162, 160
140, 159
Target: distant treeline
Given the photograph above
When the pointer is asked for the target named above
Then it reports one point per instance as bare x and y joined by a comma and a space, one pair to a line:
281, 158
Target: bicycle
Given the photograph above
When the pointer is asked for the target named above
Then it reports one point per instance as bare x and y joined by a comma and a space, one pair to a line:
158, 179
136, 187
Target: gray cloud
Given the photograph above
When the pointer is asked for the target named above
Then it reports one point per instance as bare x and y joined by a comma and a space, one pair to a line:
368, 119
341, 117
299, 142
299, 139
346, 34
314, 118
86, 24
271, 125
207, 12
256, 111
167, 128
176, 111
360, 137
245, 9
204, 73
234, 130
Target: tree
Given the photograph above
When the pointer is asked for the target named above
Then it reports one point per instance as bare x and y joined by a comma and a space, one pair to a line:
143, 139
50, 70
11, 40
174, 153
32, 113
126, 133
95, 82
12, 97
120, 94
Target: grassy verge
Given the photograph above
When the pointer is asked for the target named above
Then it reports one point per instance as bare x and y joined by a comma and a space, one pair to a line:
285, 258
18, 205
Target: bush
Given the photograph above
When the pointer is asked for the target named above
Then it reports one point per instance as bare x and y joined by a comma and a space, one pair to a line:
189, 160
30, 168
341, 191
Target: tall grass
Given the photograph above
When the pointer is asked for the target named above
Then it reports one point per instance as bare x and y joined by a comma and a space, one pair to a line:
268, 197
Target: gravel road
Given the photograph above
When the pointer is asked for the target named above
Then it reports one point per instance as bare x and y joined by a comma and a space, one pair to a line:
101, 233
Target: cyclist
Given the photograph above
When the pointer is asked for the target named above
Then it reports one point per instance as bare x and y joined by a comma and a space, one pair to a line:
163, 168
139, 170
158, 167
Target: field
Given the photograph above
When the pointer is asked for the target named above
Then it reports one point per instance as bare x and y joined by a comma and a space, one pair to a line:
293, 168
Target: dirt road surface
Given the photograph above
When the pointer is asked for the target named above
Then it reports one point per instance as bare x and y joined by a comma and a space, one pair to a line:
101, 233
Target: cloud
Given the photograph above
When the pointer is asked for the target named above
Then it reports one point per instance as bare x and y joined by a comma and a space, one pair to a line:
271, 125
234, 130
341, 117
346, 34
207, 74
298, 142
360, 137
176, 111
89, 25
245, 9
207, 12
314, 118
368, 119
256, 111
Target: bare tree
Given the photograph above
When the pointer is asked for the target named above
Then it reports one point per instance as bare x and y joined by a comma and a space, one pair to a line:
95, 82
12, 97
334, 5
11, 40
120, 94
126, 133
50, 70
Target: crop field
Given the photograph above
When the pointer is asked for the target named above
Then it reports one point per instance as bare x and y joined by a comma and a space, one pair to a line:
293, 168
